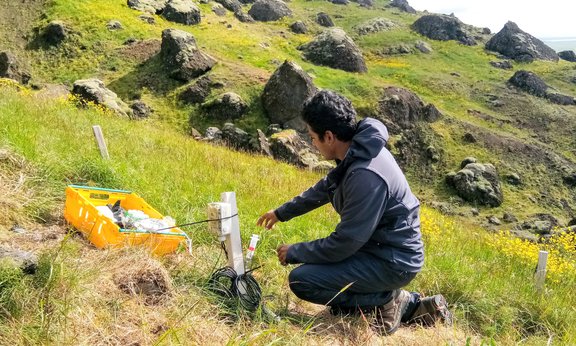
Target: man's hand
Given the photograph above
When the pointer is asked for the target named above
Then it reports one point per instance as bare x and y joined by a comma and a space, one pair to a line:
267, 220
282, 251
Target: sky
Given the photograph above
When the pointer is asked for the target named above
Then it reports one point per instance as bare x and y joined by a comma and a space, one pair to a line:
543, 19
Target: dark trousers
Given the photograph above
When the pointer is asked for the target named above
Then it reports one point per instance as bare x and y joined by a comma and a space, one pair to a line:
370, 280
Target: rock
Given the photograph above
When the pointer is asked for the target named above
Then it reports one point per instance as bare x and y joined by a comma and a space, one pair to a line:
182, 57
114, 25
26, 261
18, 229
324, 20
519, 45
340, 2
228, 106
269, 10
285, 93
560, 99
243, 17
93, 90
432, 154
197, 92
335, 49
494, 220
366, 3
423, 47
213, 134
151, 6
403, 108
182, 11
469, 138
195, 133
375, 25
509, 218
443, 28
474, 211
477, 183
403, 5
298, 27
513, 179
466, 161
505, 65
529, 82
11, 68
397, 49
273, 129
263, 146
567, 55
219, 10
525, 235
231, 5
236, 138
55, 33
542, 226
570, 179
287, 146
140, 109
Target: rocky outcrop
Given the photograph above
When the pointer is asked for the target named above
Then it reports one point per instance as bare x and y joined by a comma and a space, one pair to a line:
197, 92
151, 6
401, 108
335, 49
243, 17
11, 68
403, 5
520, 46
269, 10
55, 33
181, 55
182, 11
443, 28
231, 5
532, 84
227, 106
375, 25
140, 110
567, 55
289, 147
505, 65
323, 19
285, 93
477, 183
94, 90
236, 138
298, 27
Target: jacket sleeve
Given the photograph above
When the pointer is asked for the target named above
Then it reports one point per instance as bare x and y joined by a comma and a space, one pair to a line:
365, 195
314, 197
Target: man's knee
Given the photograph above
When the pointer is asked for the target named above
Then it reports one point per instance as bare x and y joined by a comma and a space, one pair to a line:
297, 282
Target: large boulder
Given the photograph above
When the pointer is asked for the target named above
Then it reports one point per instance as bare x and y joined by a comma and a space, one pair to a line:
182, 11
403, 5
519, 45
443, 28
289, 147
151, 6
11, 68
227, 106
55, 33
236, 138
403, 108
231, 5
269, 10
567, 55
182, 57
529, 82
375, 25
335, 49
243, 17
477, 183
285, 93
94, 90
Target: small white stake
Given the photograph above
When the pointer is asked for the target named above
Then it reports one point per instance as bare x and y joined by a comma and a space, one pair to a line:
100, 140
540, 274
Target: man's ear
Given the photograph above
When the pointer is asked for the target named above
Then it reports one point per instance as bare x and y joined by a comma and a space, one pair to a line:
329, 137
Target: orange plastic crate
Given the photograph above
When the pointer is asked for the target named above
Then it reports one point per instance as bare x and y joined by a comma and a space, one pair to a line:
80, 210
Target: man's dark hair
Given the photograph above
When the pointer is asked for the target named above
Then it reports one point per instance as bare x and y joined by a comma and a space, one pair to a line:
329, 111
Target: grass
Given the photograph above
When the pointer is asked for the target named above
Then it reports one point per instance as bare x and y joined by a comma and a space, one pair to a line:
75, 298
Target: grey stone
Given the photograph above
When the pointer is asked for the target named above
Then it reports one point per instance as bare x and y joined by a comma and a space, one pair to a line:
114, 25
287, 146
403, 108
11, 68
403, 5
231, 5
263, 144
335, 49
55, 33
494, 220
182, 57
444, 28
560, 99
477, 183
509, 218
567, 55
285, 93
516, 44
324, 20
94, 90
529, 82
467, 160
227, 106
236, 138
298, 27
269, 10
424, 47
219, 10
513, 179
197, 92
375, 25
182, 11
140, 109
151, 6
505, 65
243, 17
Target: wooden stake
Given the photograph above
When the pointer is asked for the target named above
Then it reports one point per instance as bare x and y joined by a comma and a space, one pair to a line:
540, 274
100, 140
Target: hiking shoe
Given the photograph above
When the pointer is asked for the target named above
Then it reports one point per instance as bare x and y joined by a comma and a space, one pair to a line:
430, 310
389, 315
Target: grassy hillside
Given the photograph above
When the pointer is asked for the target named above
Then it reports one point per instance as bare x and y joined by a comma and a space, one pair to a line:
76, 297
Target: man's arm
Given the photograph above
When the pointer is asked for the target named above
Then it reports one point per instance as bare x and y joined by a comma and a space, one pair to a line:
314, 197
365, 197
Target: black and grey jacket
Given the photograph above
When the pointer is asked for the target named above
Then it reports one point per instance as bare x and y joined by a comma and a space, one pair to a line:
378, 212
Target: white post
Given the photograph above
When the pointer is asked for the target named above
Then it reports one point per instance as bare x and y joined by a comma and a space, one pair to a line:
234, 241
100, 140
540, 274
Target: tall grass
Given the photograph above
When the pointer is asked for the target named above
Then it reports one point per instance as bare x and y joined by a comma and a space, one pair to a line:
491, 291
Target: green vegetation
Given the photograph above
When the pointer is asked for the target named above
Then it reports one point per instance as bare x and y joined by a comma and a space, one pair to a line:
493, 294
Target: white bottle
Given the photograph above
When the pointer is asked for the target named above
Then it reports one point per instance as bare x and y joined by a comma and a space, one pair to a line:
251, 249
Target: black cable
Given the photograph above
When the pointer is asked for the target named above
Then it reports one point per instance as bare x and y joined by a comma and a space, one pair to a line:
196, 222
228, 284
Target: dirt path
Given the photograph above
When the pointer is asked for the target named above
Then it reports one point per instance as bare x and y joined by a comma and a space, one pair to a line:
17, 18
